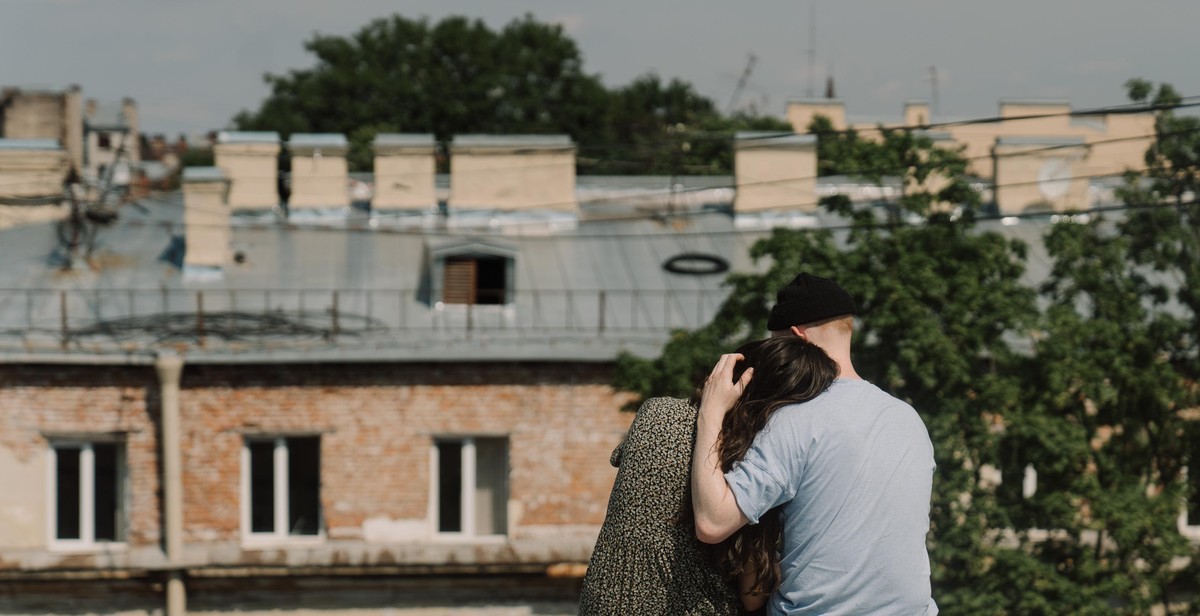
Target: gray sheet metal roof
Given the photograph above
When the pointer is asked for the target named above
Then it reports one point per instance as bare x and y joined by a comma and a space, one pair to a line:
362, 293
358, 293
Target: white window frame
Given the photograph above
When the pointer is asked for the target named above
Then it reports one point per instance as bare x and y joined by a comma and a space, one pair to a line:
87, 496
280, 533
467, 489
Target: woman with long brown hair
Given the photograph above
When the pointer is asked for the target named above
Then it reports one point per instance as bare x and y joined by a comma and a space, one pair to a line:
647, 560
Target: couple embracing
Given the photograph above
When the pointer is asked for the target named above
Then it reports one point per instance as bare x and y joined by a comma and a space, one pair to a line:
791, 486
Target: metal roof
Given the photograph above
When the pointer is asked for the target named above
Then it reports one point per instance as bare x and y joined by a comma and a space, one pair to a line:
358, 292
584, 294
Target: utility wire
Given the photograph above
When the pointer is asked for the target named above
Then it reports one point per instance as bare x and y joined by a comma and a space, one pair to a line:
632, 198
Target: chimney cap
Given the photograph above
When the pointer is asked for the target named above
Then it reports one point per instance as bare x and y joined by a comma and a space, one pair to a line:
773, 140
317, 140
204, 174
1041, 140
510, 142
29, 144
227, 136
404, 140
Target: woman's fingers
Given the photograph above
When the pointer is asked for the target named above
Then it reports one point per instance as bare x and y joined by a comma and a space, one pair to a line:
745, 380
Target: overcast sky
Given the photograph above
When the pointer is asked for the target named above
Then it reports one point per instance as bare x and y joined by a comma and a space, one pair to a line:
192, 64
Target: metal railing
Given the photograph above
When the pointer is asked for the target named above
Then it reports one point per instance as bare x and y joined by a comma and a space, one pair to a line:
140, 318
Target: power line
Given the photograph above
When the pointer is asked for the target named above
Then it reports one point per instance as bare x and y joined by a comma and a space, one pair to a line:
643, 217
666, 192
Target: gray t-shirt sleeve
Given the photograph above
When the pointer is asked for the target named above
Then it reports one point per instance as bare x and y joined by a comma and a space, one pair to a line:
769, 474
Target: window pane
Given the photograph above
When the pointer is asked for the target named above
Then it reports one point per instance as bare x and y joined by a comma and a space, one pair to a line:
107, 492
491, 486
449, 487
493, 275
304, 486
67, 493
262, 486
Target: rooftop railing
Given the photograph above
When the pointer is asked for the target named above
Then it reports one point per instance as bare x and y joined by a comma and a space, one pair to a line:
137, 319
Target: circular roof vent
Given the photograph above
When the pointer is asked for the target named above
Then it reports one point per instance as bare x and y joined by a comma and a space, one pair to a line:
696, 264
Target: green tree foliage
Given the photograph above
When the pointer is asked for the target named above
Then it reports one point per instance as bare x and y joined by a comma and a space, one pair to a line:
1082, 378
668, 129
457, 76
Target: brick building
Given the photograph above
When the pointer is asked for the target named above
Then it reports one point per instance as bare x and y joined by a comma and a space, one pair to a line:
233, 412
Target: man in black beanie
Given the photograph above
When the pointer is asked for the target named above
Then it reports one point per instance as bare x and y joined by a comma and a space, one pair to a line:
852, 470
818, 310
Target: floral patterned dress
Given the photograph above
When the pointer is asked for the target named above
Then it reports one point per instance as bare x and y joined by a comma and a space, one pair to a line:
647, 560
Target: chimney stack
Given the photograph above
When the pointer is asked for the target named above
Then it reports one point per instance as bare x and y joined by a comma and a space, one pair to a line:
319, 173
512, 172
206, 218
250, 162
405, 172
775, 171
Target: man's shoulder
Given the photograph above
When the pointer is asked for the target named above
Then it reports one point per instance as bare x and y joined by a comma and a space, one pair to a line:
865, 393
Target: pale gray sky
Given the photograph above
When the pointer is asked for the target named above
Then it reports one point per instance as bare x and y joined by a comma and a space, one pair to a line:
192, 64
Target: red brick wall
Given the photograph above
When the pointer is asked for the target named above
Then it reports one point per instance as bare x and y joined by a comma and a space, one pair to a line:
40, 400
376, 424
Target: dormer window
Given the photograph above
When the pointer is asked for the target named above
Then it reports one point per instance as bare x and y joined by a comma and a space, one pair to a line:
471, 272
475, 280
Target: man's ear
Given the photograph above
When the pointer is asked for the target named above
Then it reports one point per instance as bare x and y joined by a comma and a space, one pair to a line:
800, 332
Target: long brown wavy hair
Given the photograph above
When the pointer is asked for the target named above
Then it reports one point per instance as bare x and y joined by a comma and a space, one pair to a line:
787, 370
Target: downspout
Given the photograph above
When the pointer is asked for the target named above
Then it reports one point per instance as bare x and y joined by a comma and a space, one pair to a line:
169, 367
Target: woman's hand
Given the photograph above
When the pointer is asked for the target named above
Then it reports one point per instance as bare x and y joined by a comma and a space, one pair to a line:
720, 391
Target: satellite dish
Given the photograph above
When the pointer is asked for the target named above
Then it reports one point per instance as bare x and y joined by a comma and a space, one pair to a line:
1054, 178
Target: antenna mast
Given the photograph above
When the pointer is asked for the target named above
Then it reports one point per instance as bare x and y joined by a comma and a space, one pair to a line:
933, 84
812, 46
742, 81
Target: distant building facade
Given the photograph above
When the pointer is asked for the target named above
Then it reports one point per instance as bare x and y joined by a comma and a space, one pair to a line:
1038, 148
112, 141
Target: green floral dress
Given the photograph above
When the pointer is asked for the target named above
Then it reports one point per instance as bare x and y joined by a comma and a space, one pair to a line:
647, 560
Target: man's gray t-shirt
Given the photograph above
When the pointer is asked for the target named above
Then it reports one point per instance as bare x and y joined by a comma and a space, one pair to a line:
853, 469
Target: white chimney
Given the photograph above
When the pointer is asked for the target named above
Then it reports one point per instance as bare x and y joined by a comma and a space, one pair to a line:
250, 161
319, 173
775, 171
512, 172
207, 233
405, 172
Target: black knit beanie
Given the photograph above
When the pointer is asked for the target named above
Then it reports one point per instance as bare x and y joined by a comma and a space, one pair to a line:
809, 299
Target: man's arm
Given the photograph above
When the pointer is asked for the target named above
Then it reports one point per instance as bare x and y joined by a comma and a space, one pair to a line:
716, 510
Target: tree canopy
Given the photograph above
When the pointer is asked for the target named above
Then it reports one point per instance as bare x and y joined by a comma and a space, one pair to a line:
458, 76
1078, 385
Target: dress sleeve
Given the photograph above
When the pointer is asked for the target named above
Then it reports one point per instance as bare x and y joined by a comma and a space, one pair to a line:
615, 458
769, 475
